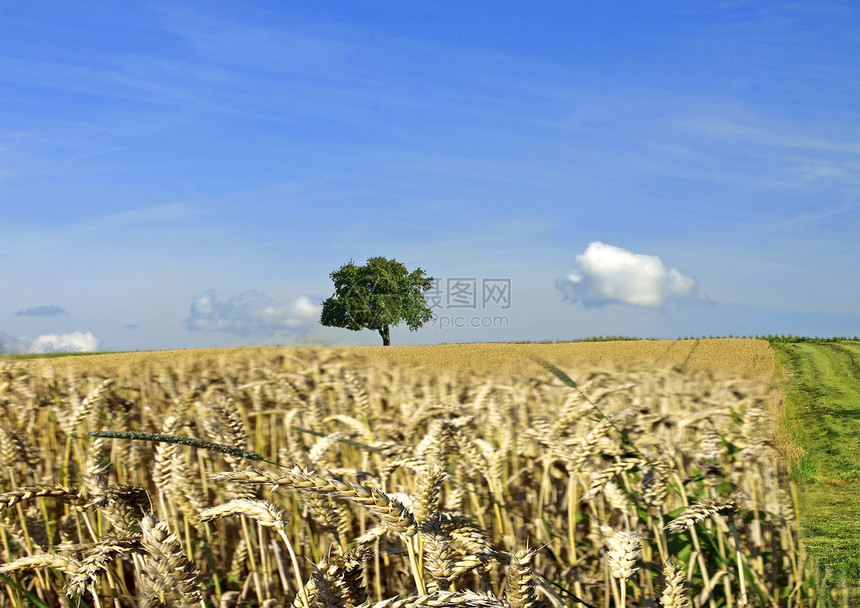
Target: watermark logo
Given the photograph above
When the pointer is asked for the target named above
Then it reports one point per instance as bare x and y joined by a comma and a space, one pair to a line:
462, 293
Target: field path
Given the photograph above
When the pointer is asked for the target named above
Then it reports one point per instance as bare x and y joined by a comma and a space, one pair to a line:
821, 382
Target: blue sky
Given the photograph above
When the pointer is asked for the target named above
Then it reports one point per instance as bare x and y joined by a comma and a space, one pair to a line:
187, 175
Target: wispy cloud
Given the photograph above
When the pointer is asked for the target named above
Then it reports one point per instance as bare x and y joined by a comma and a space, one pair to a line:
126, 78
152, 213
810, 217
612, 275
226, 40
769, 137
250, 313
807, 171
777, 151
115, 223
43, 311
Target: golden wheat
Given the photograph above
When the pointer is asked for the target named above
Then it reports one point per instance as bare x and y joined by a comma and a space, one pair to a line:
391, 484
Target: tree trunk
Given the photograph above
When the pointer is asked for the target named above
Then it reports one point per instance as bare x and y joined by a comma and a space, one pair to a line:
386, 341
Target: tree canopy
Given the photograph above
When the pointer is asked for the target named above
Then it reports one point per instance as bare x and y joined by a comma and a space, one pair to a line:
377, 295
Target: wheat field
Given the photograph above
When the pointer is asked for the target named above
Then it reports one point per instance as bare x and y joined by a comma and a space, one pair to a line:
613, 474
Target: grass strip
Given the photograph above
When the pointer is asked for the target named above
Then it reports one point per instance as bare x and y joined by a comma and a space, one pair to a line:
821, 383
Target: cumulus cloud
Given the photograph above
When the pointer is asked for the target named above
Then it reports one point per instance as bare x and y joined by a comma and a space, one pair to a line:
43, 311
75, 342
249, 313
612, 275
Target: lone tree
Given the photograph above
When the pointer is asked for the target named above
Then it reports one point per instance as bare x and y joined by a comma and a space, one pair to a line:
375, 296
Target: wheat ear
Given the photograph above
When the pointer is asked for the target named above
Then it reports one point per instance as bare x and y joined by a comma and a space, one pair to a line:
624, 548
393, 514
167, 573
13, 497
519, 585
268, 515
674, 595
700, 511
441, 599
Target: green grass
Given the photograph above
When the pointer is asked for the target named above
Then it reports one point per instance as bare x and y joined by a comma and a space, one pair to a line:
821, 381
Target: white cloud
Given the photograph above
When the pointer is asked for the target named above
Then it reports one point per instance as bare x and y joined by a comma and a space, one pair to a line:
75, 342
250, 312
611, 275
